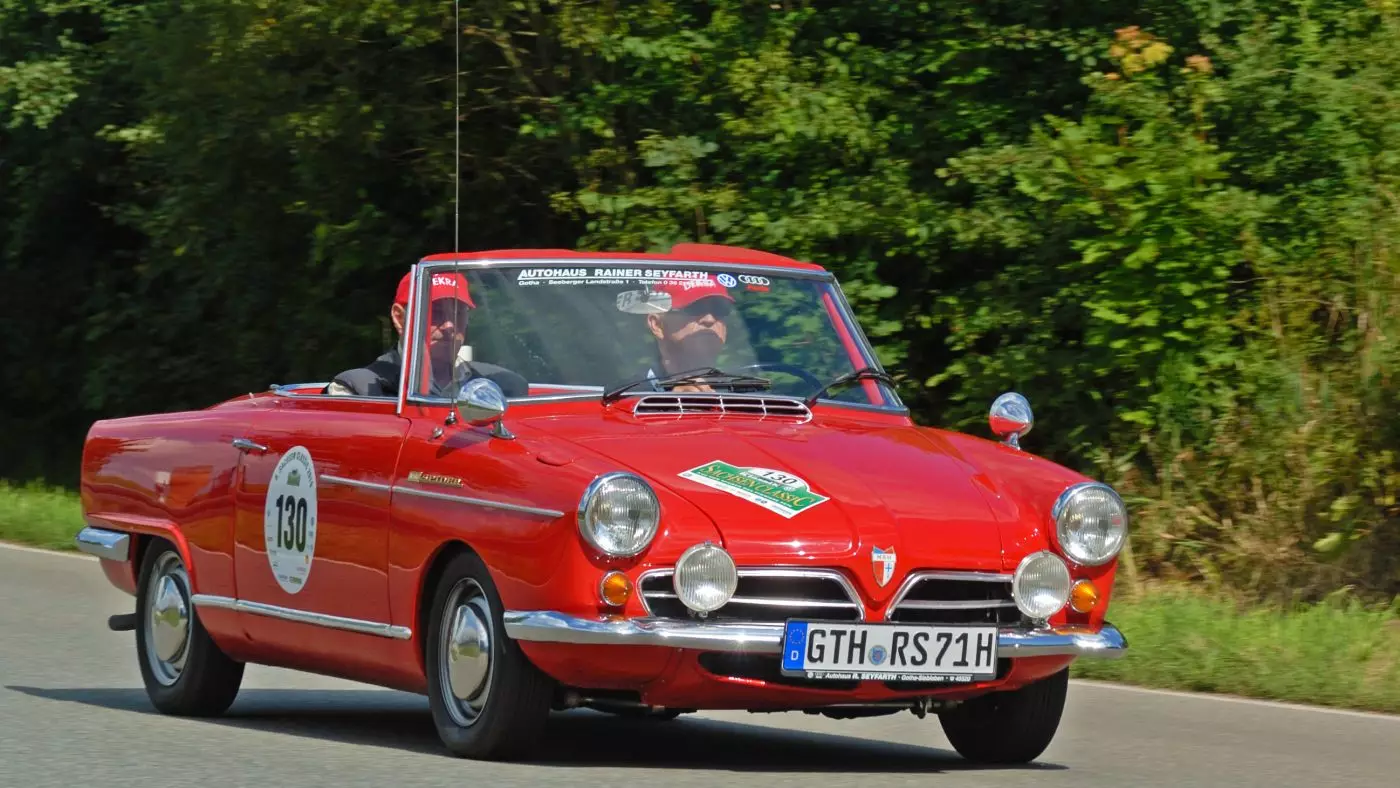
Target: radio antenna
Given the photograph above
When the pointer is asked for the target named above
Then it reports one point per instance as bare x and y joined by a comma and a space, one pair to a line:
456, 127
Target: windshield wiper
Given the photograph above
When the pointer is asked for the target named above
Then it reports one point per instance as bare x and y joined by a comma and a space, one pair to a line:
864, 373
710, 375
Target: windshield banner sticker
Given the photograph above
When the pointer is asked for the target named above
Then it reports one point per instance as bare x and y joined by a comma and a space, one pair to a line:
581, 275
775, 491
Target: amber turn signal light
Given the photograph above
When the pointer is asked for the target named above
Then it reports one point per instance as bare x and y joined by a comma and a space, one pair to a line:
1084, 596
615, 589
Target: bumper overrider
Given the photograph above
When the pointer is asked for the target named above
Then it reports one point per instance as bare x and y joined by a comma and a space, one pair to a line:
547, 626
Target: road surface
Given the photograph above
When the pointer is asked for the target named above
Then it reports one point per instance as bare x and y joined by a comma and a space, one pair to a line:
73, 713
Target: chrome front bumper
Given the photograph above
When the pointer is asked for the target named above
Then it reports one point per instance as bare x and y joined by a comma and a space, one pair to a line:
545, 626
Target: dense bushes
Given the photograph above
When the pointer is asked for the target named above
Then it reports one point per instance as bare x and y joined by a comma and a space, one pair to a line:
1168, 223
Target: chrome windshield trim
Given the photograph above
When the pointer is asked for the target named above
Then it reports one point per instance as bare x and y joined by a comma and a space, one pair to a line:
549, 626
510, 507
774, 270
377, 486
303, 616
104, 543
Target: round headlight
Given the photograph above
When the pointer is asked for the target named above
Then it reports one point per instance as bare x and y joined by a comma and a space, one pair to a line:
705, 578
1090, 523
1041, 585
619, 514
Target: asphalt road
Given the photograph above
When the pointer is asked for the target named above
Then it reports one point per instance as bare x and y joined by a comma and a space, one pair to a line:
73, 713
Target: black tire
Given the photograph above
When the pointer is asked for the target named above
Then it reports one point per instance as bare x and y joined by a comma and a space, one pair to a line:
505, 715
197, 679
1008, 727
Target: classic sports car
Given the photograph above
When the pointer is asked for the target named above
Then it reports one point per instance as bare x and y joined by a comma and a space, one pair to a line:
645, 484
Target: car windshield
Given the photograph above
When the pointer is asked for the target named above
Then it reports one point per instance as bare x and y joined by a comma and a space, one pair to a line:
542, 328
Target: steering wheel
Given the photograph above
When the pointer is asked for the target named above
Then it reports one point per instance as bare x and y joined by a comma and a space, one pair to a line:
791, 369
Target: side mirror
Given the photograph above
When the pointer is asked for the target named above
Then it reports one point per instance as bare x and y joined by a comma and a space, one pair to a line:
479, 402
1011, 418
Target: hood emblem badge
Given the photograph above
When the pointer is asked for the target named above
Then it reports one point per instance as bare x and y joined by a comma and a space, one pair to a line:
882, 561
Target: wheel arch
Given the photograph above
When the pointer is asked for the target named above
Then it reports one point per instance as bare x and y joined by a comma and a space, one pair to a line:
432, 575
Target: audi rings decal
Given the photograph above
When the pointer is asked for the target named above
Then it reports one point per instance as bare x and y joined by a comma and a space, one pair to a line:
750, 279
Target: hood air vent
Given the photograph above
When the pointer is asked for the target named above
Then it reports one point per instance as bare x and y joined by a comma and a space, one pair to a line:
751, 405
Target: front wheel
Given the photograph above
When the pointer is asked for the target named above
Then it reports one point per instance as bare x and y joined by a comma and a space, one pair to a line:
488, 701
185, 672
1008, 727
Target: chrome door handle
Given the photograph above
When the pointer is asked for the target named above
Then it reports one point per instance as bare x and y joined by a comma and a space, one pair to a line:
243, 444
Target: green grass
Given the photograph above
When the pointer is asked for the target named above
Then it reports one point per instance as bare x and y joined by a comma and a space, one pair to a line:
1339, 653
1336, 653
39, 515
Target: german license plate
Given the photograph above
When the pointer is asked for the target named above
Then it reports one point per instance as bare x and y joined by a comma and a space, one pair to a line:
889, 652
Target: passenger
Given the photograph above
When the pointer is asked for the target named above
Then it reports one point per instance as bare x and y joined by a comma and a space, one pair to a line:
450, 304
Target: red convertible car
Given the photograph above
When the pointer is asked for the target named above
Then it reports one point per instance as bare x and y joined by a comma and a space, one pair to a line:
647, 484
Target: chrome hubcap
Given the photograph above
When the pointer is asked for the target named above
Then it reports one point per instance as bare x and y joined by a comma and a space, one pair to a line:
465, 672
167, 620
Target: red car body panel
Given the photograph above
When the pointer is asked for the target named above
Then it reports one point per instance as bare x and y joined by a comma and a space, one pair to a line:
942, 500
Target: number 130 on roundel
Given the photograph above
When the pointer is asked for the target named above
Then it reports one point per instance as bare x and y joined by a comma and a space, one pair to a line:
289, 519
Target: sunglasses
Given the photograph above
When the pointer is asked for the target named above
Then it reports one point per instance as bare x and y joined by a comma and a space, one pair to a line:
718, 307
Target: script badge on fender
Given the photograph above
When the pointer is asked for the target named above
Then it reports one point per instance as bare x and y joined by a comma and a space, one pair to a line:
882, 561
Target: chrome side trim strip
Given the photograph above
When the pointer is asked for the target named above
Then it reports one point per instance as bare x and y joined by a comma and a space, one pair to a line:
303, 617
548, 626
328, 479
112, 545
510, 507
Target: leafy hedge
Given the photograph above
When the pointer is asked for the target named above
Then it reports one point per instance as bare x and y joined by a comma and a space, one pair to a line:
1170, 224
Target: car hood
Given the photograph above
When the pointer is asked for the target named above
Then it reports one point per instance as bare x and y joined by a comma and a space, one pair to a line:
812, 493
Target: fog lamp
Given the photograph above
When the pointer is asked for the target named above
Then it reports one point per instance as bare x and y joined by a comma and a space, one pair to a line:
705, 578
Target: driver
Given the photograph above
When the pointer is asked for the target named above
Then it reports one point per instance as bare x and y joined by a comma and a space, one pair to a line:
449, 356
692, 334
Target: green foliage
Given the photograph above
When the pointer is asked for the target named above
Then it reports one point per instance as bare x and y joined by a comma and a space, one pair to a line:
1168, 223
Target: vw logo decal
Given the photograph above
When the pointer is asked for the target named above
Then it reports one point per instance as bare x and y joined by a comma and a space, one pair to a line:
727, 280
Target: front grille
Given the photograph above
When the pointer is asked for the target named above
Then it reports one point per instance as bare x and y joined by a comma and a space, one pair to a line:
771, 595
955, 598
721, 405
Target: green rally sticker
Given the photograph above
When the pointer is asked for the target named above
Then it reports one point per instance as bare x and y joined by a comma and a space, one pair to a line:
775, 491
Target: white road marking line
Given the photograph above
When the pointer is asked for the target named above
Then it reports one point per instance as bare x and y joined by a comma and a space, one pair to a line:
1278, 704
42, 551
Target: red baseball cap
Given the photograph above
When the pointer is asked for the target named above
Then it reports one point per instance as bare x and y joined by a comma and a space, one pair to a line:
685, 292
445, 284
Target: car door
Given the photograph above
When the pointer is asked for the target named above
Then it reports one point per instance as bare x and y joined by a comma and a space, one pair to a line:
312, 524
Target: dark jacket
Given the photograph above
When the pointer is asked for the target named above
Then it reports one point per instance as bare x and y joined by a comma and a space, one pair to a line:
380, 378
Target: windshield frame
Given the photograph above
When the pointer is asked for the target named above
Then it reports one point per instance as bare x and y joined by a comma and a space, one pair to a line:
846, 323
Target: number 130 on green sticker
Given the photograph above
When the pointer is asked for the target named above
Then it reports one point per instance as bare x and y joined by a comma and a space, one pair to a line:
889, 652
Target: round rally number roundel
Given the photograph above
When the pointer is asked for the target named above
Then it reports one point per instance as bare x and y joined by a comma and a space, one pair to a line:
289, 519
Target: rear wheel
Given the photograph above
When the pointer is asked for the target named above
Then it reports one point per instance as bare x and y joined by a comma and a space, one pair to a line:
488, 701
185, 673
1008, 727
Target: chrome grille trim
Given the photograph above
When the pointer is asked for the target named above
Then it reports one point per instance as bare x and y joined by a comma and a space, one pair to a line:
852, 601
752, 405
917, 580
